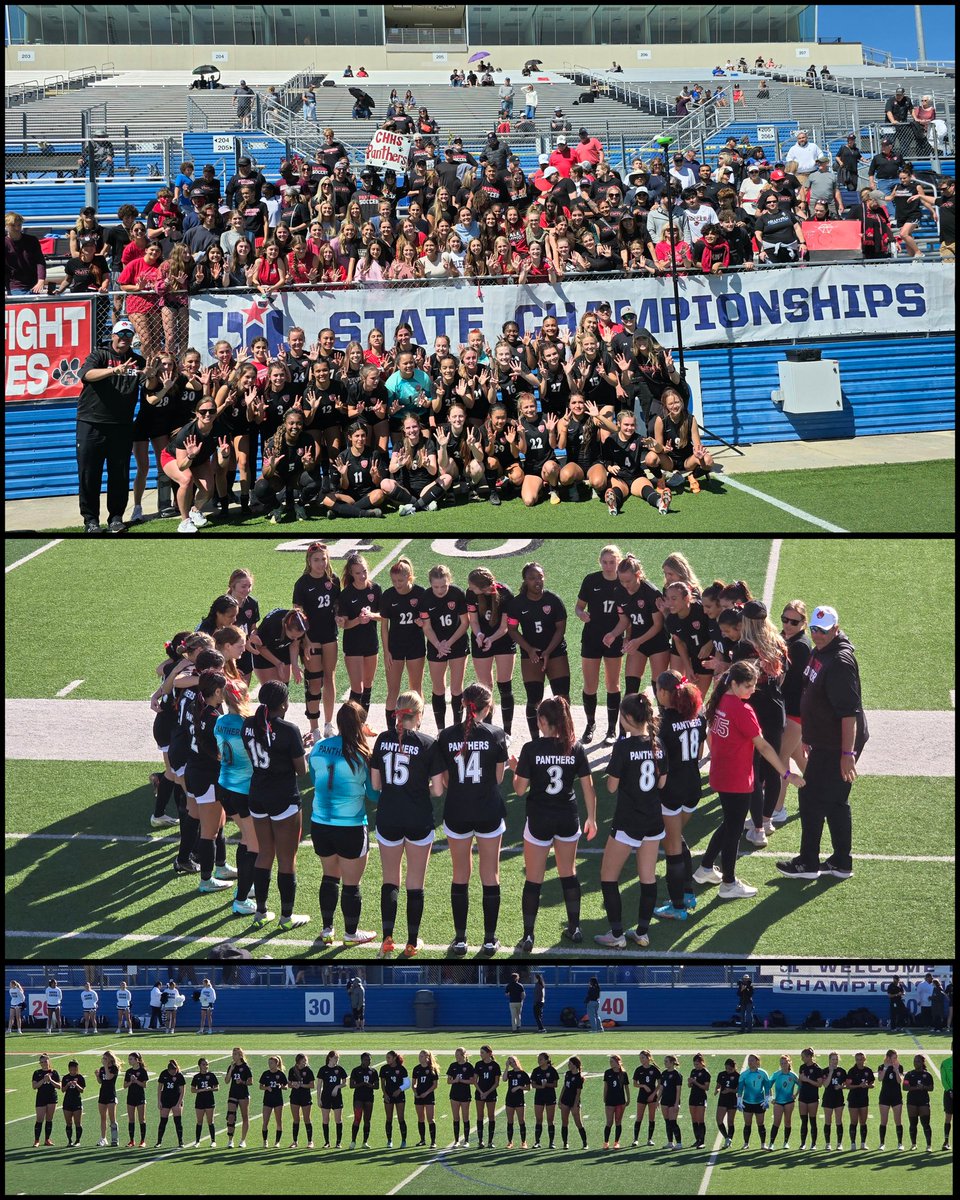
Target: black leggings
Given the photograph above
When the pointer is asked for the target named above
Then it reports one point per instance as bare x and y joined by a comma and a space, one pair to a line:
726, 838
766, 777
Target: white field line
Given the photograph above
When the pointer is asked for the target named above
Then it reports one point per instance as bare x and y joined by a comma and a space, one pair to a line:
781, 504
773, 564
430, 1161
33, 554
71, 687
718, 1141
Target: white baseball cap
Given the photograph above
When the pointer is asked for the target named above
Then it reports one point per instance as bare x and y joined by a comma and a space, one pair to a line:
824, 617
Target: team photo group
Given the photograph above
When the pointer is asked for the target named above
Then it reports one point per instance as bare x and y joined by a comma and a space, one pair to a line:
699, 680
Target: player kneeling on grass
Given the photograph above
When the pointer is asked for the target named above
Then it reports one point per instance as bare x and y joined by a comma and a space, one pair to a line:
676, 445
288, 458
360, 479
419, 484
753, 1098
537, 443
500, 447
623, 453
192, 459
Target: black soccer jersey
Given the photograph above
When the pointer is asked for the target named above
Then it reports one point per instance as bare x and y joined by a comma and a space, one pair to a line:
627, 455
836, 1078
640, 608
360, 640
552, 772
331, 1080
537, 620
539, 450
204, 756
638, 763
555, 391
919, 1085
693, 631
182, 735
270, 631
682, 741
444, 613
811, 1075
273, 1083
360, 470
318, 599
391, 1080
601, 597
170, 1087
544, 1078
645, 1080
73, 1086
460, 1075
248, 616
324, 407
516, 1081
671, 1081
572, 1086
700, 1081
472, 787
364, 1081
134, 1079
46, 1092
487, 1075
205, 1082
405, 637
860, 1078
615, 1084
405, 769
891, 1077
274, 774
424, 1083
728, 1081
483, 607
239, 1076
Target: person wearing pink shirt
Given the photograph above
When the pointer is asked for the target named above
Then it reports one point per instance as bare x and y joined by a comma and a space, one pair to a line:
562, 158
588, 150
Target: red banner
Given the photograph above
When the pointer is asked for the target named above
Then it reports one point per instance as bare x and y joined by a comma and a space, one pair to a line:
46, 345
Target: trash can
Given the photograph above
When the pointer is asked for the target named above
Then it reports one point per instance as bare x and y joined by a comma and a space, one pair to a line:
424, 1005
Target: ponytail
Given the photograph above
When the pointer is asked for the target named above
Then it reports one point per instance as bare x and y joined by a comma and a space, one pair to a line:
556, 712
409, 704
476, 699
351, 722
739, 672
685, 696
273, 696
638, 708
207, 684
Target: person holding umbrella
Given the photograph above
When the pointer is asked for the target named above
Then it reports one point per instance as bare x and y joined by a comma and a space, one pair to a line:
365, 103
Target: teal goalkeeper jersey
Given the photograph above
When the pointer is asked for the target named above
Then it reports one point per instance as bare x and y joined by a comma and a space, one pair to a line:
236, 769
339, 790
754, 1086
785, 1087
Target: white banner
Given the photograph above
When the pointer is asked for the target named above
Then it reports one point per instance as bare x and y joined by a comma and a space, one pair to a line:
388, 149
613, 1006
856, 980
812, 302
867, 970
318, 1008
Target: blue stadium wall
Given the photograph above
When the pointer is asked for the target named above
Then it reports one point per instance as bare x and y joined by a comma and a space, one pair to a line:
484, 1008
889, 385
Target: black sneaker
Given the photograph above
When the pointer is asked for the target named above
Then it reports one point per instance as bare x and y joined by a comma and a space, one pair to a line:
92, 525
571, 935
168, 511
828, 867
116, 525
794, 869
525, 946
190, 868
458, 947
588, 733
676, 481
495, 498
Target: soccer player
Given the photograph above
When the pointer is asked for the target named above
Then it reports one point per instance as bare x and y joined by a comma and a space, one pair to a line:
124, 1001
544, 1078
239, 1076
203, 1085
443, 616
811, 1076
135, 1078
469, 758
728, 1082
394, 1084
358, 613
45, 1082
460, 1074
488, 605
276, 750
537, 622
860, 1079
637, 773
73, 1084
600, 593
89, 1001
786, 1084
233, 789
671, 1081
332, 1079
646, 1079
919, 1085
682, 730
171, 1087
518, 1082
401, 634
487, 1074
277, 645
570, 1095
890, 1074
641, 624
272, 1082
400, 770
302, 1080
753, 1096
106, 1075
425, 1076
240, 587
616, 1094
548, 767
364, 1081
53, 995
202, 772
317, 592
946, 1078
689, 628
834, 1099
698, 1082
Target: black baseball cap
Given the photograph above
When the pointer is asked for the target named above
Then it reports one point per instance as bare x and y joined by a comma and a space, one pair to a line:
244, 162
583, 133
604, 306
458, 140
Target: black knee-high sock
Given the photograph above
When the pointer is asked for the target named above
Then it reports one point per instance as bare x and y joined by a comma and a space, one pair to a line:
466, 1130
131, 1128
947, 1126
365, 698
460, 902
899, 1134
414, 914
506, 705
296, 1130
538, 1131
261, 884
491, 1129
722, 1124
853, 1133
632, 685
287, 886
456, 1131
438, 702
339, 1133
613, 906
391, 715
523, 1130
189, 829
826, 1133
924, 1121
675, 879
199, 1131
329, 895
389, 893
551, 1133
164, 795
747, 1129
763, 1131
590, 706
326, 1133
480, 1130
433, 495
277, 1136
245, 863
530, 906
433, 1132
606, 1134
308, 1125
456, 705
636, 1130
570, 886
773, 1133
804, 1121
161, 1129
534, 690
651, 1126
37, 1130
813, 1131
914, 1121
863, 1133
178, 1126
350, 903
356, 697
402, 1122
613, 710
648, 902
422, 1130
205, 855
220, 849
883, 1134
687, 866
491, 910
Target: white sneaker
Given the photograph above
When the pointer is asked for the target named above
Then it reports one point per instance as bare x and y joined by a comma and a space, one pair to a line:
708, 875
161, 822
780, 816
137, 515
102, 1142
738, 890
197, 517
329, 730
756, 836
768, 827
406, 510
186, 526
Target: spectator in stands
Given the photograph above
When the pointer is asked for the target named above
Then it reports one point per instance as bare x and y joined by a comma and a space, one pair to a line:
308, 101
588, 150
751, 190
362, 74
88, 273
699, 215
801, 158
207, 187
885, 169
506, 94
486, 79
191, 216
763, 90
848, 158
86, 225
245, 176
348, 72
822, 185
111, 386
559, 122
182, 185
682, 103
200, 238
241, 260
243, 97
737, 96
141, 278
739, 245
170, 235
705, 185
102, 155
658, 219
672, 249
778, 234
711, 253
909, 199
530, 101
682, 173
155, 212
825, 72
924, 113
234, 232
899, 107
871, 212
758, 65
616, 69
254, 213
811, 75
946, 220
25, 268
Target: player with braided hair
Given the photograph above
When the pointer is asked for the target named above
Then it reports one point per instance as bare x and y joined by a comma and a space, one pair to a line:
537, 622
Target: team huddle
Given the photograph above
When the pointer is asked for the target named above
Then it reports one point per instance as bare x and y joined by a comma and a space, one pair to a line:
752, 1092
226, 757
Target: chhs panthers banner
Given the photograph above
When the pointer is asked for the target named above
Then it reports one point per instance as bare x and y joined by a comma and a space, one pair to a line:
808, 302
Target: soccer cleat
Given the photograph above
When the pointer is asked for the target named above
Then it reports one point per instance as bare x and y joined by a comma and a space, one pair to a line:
458, 947
676, 480
635, 1142
490, 947
494, 499
197, 517
142, 1144
786, 1146
403, 1143
571, 935
726, 1143
412, 949
690, 900
738, 890
186, 526
509, 1145
828, 867
244, 908
359, 937
634, 935
299, 512
387, 946
225, 871
326, 935
663, 502
329, 731
243, 1145
588, 733
756, 836
294, 1146
261, 918
666, 912
523, 1146
708, 875
101, 1142
294, 921
196, 1144
431, 507
611, 737
130, 1144
230, 1143
212, 885
406, 510
161, 822
780, 816
794, 869
610, 940
610, 500
554, 496
525, 945
693, 483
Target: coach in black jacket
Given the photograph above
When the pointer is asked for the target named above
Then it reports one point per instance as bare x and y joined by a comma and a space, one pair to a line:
835, 730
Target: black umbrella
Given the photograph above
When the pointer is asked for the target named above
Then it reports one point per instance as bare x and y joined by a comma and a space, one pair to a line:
362, 96
206, 70
532, 63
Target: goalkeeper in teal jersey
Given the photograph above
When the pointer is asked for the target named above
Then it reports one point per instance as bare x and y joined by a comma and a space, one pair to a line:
233, 789
784, 1085
341, 785
753, 1096
946, 1078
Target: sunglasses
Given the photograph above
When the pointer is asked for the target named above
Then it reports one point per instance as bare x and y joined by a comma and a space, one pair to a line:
819, 629
791, 621
206, 412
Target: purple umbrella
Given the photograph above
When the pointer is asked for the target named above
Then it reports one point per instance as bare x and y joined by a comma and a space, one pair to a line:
479, 54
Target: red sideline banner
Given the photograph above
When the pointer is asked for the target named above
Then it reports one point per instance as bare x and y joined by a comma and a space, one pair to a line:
46, 344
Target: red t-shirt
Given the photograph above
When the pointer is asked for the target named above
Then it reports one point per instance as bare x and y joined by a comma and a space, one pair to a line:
733, 728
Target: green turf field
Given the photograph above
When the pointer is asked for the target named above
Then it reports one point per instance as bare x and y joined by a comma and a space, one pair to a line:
866, 499
445, 1171
113, 890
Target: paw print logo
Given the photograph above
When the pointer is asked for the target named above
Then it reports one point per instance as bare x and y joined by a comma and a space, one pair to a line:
67, 373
